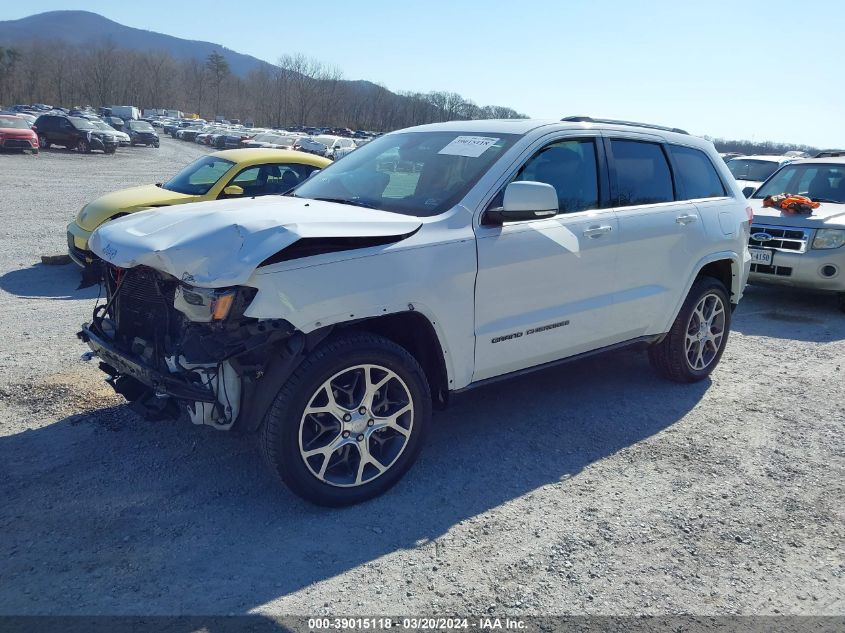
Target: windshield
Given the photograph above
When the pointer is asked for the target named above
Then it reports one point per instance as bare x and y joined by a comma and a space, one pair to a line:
198, 177
13, 122
414, 173
756, 170
819, 181
81, 124
102, 125
140, 126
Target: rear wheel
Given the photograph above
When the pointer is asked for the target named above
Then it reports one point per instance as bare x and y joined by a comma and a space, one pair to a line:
694, 345
43, 143
350, 421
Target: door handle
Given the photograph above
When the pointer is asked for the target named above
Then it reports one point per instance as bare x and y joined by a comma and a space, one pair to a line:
687, 218
597, 231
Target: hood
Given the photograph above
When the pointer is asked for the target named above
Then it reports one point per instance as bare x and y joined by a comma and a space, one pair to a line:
221, 243
17, 132
101, 209
828, 215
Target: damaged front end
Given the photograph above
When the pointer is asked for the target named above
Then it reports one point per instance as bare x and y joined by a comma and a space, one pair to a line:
169, 347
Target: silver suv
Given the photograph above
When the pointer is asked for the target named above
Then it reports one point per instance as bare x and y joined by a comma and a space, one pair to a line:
804, 251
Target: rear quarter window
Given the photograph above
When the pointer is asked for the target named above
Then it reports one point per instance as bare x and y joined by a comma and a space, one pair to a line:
695, 174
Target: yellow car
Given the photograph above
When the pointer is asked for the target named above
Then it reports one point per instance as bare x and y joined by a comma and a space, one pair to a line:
228, 174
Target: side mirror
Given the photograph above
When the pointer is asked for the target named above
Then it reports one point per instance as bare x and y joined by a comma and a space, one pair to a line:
233, 190
747, 191
524, 200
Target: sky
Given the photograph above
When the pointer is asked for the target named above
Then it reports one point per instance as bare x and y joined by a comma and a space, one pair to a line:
756, 69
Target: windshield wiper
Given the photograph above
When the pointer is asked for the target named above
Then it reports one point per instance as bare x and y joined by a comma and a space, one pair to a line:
354, 203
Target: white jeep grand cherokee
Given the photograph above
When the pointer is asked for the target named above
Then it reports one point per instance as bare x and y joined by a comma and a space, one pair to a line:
429, 261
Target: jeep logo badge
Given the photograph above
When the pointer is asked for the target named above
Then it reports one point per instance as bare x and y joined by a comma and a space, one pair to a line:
762, 237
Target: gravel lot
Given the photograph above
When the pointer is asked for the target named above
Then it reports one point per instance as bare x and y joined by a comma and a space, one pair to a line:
593, 488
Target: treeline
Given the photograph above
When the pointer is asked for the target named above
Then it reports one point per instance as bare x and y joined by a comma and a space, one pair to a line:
297, 90
749, 148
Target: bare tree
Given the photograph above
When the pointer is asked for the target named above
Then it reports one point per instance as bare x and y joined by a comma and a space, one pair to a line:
218, 70
102, 70
9, 58
195, 75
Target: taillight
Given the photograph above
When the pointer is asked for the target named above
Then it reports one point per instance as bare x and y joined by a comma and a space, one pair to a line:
749, 212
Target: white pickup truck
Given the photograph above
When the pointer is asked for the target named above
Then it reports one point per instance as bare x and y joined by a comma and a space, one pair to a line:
430, 261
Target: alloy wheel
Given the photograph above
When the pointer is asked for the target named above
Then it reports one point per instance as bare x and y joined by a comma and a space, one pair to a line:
705, 331
356, 425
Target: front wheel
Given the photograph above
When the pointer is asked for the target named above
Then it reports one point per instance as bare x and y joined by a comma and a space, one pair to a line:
350, 421
694, 345
83, 147
43, 143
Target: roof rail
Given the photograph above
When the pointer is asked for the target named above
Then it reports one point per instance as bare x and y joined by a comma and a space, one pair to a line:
588, 119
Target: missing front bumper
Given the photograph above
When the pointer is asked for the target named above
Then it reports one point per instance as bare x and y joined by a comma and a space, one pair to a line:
127, 364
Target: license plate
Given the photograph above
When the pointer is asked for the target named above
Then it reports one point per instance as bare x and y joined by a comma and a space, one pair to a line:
761, 256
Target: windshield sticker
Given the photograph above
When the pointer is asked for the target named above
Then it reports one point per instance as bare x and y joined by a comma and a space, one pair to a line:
472, 146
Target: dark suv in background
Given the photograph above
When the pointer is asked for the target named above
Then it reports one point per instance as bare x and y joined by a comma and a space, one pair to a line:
141, 133
73, 133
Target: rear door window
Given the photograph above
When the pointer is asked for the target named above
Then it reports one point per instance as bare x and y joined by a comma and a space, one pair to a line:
642, 173
695, 173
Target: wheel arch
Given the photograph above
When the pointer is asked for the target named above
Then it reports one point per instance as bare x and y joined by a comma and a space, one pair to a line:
409, 329
724, 266
413, 331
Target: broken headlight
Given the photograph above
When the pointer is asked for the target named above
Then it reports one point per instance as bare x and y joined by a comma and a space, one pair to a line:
207, 305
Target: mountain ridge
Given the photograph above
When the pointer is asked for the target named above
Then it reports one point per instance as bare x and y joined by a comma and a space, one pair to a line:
85, 27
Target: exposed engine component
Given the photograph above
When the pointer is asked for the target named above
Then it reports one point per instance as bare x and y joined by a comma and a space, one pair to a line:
195, 356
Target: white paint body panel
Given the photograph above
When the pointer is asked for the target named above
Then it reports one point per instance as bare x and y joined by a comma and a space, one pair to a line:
540, 274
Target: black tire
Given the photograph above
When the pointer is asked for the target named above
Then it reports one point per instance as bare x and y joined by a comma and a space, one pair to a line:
110, 150
280, 432
83, 146
669, 356
34, 151
156, 145
43, 143
131, 143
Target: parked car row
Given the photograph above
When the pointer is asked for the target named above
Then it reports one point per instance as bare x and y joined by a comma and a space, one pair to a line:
30, 128
229, 136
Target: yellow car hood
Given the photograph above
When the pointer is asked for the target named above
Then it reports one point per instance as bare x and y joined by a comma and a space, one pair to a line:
127, 200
